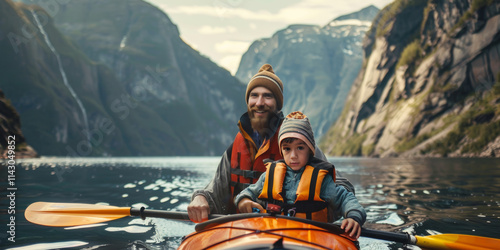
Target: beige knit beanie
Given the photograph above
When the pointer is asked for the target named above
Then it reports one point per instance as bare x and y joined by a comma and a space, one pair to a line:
297, 125
266, 78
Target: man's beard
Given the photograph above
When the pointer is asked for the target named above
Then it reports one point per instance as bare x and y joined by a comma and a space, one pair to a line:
260, 124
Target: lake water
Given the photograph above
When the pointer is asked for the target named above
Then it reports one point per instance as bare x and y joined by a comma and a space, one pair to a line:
419, 196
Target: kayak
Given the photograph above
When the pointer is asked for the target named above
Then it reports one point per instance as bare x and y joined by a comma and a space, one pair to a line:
266, 231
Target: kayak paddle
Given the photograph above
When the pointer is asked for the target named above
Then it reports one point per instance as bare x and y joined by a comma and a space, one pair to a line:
77, 214
438, 241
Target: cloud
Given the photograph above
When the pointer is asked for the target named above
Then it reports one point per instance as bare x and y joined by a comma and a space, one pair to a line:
210, 30
223, 12
233, 47
320, 12
232, 51
231, 63
306, 11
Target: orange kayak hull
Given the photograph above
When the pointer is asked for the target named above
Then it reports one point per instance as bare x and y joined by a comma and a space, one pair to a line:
264, 232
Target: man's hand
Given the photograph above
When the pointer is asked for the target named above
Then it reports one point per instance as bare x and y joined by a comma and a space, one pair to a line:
198, 209
351, 227
245, 206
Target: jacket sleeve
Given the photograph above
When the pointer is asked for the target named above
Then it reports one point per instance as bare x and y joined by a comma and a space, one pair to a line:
342, 202
252, 192
340, 180
218, 191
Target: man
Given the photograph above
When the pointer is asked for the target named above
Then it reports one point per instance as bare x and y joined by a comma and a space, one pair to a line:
242, 163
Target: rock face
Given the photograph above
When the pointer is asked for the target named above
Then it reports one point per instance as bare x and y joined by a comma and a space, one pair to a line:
429, 86
113, 78
316, 64
11, 134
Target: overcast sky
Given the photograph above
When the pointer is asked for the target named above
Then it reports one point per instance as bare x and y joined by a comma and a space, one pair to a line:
224, 29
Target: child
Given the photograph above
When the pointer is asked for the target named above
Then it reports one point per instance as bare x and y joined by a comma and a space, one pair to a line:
301, 185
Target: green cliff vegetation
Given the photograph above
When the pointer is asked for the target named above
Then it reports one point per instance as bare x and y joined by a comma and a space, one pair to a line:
475, 128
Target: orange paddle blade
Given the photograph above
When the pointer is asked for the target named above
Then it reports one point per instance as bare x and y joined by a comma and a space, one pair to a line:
72, 214
457, 241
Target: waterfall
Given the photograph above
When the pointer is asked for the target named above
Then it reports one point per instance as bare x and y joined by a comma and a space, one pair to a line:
63, 74
123, 43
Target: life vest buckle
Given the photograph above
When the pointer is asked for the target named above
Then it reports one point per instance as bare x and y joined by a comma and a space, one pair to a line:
273, 208
291, 212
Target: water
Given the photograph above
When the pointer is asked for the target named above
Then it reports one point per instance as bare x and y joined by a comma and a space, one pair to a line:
419, 196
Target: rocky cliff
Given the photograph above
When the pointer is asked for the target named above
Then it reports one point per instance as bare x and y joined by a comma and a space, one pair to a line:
11, 134
429, 85
316, 64
117, 80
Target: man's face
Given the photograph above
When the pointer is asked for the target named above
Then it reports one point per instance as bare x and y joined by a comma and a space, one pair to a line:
261, 105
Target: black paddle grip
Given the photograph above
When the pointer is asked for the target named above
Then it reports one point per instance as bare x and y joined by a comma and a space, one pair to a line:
390, 236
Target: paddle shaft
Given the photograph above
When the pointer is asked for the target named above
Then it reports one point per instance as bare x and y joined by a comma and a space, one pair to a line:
143, 213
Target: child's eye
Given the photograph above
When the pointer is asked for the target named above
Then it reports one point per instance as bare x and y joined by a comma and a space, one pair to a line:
286, 149
300, 147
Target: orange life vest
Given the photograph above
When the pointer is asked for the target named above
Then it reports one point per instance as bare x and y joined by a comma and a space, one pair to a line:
308, 203
247, 163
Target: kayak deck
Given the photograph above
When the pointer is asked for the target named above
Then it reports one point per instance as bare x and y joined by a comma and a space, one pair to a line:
264, 231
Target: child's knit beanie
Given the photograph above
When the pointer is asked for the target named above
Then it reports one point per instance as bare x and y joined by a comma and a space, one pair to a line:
296, 125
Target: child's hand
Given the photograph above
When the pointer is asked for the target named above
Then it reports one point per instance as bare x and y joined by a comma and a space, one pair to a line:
246, 205
351, 227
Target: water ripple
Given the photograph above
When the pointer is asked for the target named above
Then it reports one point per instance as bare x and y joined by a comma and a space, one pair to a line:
129, 229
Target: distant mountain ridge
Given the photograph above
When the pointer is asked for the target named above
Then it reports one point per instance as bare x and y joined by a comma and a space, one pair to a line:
200, 100
429, 86
148, 94
316, 64
113, 78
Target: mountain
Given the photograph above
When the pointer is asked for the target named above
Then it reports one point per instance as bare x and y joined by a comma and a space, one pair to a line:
429, 85
112, 78
316, 64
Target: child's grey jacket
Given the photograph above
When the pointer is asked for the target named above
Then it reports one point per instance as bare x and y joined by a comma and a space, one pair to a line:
341, 203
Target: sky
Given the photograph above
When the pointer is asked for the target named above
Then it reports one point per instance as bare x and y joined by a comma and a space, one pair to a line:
222, 30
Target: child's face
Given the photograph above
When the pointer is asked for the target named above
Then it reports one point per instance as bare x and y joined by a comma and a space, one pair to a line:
295, 153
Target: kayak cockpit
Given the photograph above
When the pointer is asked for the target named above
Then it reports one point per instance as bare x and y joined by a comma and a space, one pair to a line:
266, 231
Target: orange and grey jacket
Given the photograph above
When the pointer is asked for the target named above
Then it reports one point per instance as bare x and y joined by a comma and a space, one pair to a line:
308, 204
310, 192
